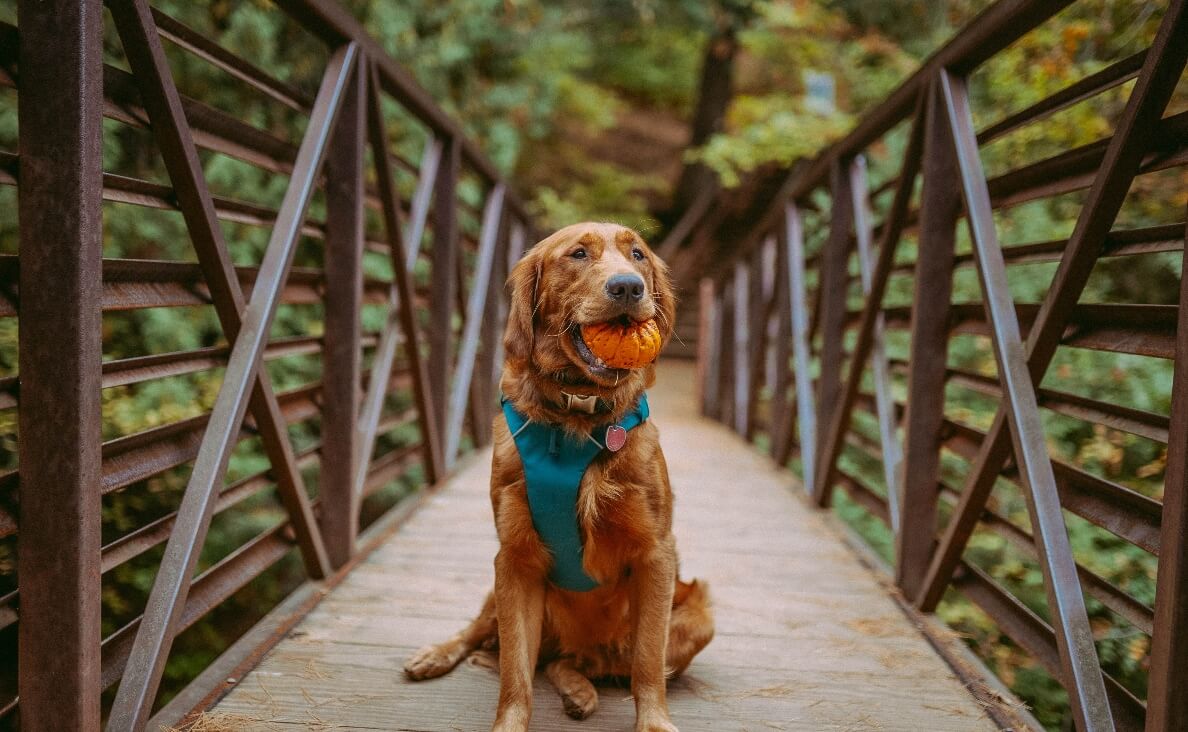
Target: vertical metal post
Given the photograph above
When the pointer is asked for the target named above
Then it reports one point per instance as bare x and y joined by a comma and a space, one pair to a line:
1167, 705
940, 206
515, 250
884, 402
742, 361
832, 296
516, 243
874, 287
707, 353
443, 293
806, 413
783, 420
724, 412
475, 308
486, 374
422, 198
342, 355
769, 273
756, 338
61, 215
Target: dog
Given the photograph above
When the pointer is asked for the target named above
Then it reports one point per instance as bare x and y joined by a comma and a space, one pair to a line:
635, 619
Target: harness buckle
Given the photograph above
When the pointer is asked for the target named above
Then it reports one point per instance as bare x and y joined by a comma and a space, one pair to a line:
579, 403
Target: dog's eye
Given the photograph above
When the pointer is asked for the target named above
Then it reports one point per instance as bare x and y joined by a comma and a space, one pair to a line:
578, 254
638, 254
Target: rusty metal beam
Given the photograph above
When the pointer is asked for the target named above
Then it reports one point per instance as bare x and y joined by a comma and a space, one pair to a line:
445, 289
707, 352
134, 700
1074, 638
930, 320
1123, 157
175, 141
1167, 704
1031, 632
60, 146
832, 289
342, 356
782, 421
741, 397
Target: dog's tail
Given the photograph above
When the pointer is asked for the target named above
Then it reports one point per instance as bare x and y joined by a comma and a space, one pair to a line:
692, 626
685, 590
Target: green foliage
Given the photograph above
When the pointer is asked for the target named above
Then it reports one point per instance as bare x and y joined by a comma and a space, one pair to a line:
536, 81
918, 26
773, 128
654, 63
772, 120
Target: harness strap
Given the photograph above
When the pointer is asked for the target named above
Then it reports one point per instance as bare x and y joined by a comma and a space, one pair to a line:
554, 463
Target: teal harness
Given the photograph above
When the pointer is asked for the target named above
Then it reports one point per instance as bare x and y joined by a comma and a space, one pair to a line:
554, 463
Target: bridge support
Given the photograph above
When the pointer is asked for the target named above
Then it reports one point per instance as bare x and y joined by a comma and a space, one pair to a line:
832, 298
939, 208
1167, 708
445, 282
61, 184
341, 386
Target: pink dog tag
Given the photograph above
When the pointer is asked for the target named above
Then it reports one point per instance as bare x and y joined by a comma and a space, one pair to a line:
616, 437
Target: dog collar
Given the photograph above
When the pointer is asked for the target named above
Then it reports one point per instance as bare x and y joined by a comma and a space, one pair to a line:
554, 463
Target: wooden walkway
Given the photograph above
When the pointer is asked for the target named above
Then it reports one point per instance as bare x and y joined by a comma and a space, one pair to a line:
807, 636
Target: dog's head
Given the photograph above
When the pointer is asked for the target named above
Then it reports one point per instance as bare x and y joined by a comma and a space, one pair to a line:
583, 274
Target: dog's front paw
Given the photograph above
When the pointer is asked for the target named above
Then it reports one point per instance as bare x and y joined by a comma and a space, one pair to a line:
654, 723
512, 718
429, 663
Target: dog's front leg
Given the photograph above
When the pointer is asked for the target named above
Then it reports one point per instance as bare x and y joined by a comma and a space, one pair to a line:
519, 606
651, 606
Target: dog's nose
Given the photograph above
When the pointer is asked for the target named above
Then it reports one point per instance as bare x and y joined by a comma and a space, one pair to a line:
625, 288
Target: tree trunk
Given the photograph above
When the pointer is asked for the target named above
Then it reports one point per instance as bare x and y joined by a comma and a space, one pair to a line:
716, 90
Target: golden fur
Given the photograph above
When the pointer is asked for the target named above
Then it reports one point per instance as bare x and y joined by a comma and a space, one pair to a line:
641, 621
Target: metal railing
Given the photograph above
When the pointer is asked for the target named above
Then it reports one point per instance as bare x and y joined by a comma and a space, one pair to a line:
786, 355
437, 352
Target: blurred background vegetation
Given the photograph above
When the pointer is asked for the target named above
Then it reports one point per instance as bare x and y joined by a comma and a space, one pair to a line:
620, 110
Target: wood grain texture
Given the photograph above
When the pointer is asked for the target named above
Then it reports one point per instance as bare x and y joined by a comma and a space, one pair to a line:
807, 636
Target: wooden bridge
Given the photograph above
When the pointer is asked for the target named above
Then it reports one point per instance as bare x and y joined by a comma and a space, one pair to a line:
808, 637
820, 302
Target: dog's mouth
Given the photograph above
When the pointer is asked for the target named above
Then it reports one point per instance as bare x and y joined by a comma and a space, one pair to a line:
594, 365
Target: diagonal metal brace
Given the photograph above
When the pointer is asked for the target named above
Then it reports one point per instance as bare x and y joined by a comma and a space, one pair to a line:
146, 664
161, 100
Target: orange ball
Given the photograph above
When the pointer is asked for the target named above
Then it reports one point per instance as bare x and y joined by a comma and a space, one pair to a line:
624, 346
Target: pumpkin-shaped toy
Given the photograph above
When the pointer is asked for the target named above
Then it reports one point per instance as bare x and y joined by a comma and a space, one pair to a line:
624, 346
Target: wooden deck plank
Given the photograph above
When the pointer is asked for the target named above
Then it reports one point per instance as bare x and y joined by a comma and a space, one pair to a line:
808, 638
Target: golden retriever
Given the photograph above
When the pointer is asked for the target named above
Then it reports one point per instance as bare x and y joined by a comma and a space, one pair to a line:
640, 621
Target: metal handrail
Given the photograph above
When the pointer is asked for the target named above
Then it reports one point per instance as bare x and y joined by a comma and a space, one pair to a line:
65, 90
943, 151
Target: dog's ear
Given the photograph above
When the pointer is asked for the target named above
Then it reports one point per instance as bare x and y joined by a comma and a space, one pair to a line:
523, 289
665, 297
